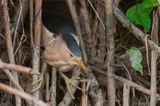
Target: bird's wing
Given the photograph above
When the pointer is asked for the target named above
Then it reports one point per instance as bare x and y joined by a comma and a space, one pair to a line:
72, 44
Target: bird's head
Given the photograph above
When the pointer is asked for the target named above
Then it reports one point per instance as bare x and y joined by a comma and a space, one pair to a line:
62, 50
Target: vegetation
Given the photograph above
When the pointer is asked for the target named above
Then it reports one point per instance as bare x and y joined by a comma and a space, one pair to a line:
119, 42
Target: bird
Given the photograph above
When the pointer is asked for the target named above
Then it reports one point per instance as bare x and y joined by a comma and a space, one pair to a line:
62, 49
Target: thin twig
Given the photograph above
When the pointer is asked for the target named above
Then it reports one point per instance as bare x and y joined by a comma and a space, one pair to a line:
96, 14
48, 92
20, 43
84, 100
53, 87
17, 19
95, 25
31, 17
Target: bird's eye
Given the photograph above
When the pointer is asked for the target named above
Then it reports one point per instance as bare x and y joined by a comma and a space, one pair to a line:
71, 55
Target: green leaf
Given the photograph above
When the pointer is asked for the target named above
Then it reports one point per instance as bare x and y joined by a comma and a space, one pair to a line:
151, 3
138, 67
139, 15
135, 57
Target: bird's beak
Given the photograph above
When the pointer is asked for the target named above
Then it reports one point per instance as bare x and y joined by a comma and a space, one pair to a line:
80, 63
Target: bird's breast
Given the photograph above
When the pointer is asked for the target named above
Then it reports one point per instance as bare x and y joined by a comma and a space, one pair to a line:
61, 65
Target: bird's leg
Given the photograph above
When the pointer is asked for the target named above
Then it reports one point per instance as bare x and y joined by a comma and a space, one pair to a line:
69, 81
40, 80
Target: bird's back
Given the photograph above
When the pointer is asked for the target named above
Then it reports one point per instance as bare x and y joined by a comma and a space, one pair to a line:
57, 24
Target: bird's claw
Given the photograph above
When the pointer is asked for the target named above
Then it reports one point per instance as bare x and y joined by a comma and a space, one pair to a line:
38, 82
69, 81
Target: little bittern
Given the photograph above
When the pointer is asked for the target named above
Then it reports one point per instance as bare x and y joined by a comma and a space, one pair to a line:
62, 50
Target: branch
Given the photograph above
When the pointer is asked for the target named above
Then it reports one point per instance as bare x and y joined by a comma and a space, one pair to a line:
12, 79
126, 94
15, 67
110, 54
9, 43
127, 82
154, 57
85, 18
22, 94
37, 40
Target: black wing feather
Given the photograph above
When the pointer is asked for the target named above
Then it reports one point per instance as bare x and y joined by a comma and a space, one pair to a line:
72, 44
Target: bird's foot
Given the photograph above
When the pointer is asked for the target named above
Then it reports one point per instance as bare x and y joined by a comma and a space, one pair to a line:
38, 83
40, 79
69, 81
